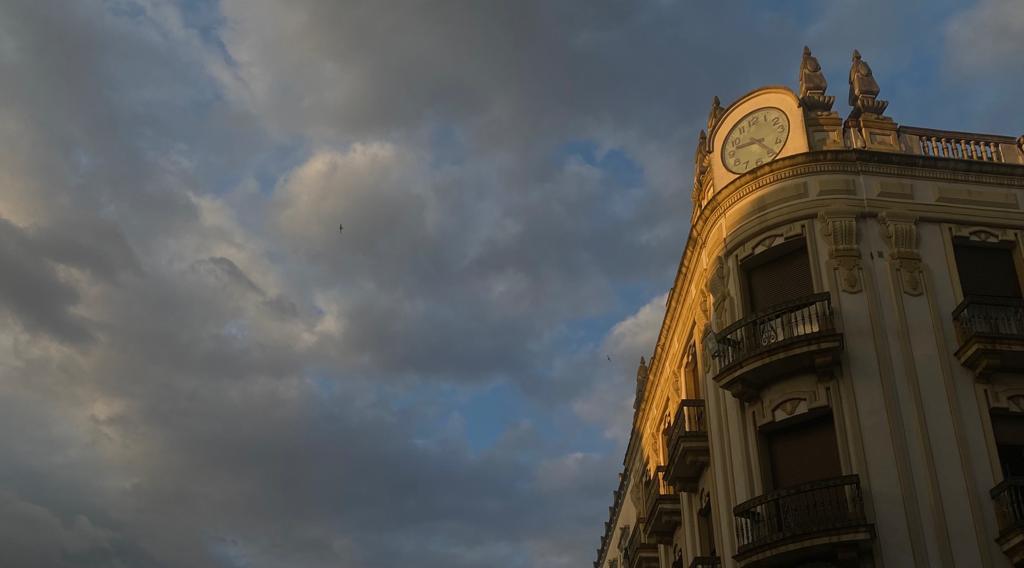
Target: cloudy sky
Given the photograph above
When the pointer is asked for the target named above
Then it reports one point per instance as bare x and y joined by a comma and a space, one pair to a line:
197, 369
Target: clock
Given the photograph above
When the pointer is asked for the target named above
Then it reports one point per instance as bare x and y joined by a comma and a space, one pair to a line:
756, 139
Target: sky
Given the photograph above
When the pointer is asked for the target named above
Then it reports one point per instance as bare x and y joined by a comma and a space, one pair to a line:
198, 369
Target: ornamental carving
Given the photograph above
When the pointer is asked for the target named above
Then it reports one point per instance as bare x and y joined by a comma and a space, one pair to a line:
864, 89
900, 231
983, 234
715, 116
813, 85
839, 227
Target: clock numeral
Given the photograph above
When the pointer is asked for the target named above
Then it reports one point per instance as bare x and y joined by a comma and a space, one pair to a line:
732, 153
758, 162
736, 162
775, 121
781, 128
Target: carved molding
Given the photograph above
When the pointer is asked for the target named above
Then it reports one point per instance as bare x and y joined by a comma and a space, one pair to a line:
790, 403
772, 238
983, 234
726, 199
900, 232
1006, 397
839, 226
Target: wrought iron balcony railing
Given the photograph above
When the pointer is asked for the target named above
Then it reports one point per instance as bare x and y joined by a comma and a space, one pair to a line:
689, 421
687, 442
1009, 501
800, 512
986, 315
800, 319
638, 552
990, 332
706, 562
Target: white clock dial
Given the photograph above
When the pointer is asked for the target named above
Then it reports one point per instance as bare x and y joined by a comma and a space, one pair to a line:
756, 139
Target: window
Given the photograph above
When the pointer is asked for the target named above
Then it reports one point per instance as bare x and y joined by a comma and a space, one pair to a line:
804, 451
1009, 434
986, 269
706, 530
778, 275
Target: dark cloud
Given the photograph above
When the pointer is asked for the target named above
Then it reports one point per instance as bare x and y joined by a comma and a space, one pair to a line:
203, 371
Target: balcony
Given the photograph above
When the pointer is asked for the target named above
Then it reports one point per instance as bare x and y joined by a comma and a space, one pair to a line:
991, 334
687, 443
706, 562
797, 335
663, 514
639, 553
1009, 504
820, 520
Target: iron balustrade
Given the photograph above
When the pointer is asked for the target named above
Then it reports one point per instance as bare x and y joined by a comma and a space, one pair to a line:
1009, 501
987, 315
800, 511
706, 562
637, 548
689, 421
792, 321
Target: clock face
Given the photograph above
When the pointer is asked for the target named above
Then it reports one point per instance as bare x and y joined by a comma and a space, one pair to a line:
756, 139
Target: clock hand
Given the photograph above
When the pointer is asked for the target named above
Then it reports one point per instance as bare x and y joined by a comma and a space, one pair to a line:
760, 142
744, 145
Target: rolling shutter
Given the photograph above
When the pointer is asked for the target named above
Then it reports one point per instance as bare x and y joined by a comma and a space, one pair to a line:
986, 271
804, 452
778, 280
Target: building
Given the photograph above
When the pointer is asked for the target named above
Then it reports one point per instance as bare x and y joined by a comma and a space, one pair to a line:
839, 376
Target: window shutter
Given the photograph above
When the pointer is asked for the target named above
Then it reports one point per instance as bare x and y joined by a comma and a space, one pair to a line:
779, 280
986, 271
806, 451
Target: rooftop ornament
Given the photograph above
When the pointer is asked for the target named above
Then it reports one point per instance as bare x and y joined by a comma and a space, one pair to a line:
864, 90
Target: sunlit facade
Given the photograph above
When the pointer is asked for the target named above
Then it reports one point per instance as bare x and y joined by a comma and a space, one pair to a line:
839, 376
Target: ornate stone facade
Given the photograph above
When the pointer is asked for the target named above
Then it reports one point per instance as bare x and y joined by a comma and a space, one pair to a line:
827, 305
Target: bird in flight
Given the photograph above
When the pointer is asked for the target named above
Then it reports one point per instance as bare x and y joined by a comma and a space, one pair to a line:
341, 228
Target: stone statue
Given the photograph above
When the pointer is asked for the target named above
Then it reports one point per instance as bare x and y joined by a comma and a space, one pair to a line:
813, 84
716, 113
701, 160
864, 89
641, 382
812, 80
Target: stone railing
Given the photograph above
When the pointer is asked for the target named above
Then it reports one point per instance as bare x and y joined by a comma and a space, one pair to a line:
961, 145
